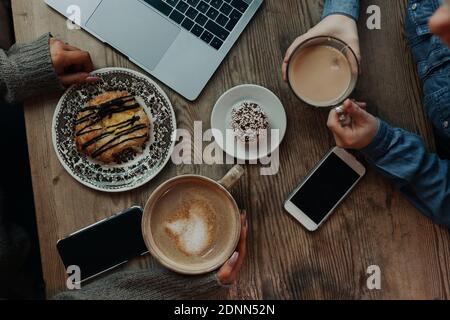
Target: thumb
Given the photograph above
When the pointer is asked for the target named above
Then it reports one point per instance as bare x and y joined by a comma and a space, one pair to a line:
354, 110
77, 78
227, 269
231, 263
439, 22
288, 55
294, 46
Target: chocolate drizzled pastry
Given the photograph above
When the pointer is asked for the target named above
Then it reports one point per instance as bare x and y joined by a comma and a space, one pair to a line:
249, 121
111, 125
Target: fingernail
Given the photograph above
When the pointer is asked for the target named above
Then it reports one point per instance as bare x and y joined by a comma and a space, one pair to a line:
233, 258
93, 79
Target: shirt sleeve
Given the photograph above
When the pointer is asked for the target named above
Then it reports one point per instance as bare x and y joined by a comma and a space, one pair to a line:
422, 177
26, 70
158, 284
349, 8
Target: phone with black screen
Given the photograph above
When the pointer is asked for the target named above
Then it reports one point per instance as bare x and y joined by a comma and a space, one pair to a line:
104, 245
325, 187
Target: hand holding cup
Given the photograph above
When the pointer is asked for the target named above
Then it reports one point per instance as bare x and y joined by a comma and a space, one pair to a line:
335, 25
229, 271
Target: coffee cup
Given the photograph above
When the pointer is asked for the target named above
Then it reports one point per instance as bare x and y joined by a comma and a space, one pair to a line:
323, 71
191, 223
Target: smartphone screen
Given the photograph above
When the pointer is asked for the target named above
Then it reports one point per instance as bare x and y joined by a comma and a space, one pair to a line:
325, 188
105, 244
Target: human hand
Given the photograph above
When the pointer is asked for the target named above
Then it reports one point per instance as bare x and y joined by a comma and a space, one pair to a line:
362, 130
440, 24
335, 25
71, 64
229, 271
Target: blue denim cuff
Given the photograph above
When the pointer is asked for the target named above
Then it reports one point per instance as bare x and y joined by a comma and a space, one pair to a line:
348, 8
380, 144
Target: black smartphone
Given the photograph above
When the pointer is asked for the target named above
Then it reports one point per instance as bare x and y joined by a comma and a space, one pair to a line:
104, 245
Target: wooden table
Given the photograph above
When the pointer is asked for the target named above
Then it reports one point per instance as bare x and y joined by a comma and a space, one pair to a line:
375, 225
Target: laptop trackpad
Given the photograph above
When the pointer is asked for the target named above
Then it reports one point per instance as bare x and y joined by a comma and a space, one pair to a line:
134, 29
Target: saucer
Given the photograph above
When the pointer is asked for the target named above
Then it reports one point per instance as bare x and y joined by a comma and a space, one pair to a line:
221, 122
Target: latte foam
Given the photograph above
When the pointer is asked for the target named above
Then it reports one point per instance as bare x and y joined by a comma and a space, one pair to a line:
192, 228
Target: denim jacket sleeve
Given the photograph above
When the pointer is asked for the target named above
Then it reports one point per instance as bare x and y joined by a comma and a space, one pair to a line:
422, 177
349, 8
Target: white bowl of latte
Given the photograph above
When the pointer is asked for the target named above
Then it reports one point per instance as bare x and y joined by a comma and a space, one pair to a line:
191, 223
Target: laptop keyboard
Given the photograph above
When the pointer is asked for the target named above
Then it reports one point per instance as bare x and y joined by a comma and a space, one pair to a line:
210, 20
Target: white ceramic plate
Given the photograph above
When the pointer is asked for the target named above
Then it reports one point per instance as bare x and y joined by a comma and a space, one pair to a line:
142, 167
221, 120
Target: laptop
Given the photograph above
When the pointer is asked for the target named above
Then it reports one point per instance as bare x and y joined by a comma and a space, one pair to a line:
179, 42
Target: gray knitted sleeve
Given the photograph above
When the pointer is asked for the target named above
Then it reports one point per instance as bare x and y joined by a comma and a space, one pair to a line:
147, 285
26, 70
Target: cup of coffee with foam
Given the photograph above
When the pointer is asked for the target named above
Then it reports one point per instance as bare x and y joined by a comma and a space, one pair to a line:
323, 71
191, 224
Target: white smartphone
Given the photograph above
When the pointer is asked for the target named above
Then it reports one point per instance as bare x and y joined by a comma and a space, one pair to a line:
324, 188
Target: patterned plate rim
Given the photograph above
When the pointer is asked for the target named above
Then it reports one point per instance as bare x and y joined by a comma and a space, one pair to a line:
144, 181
